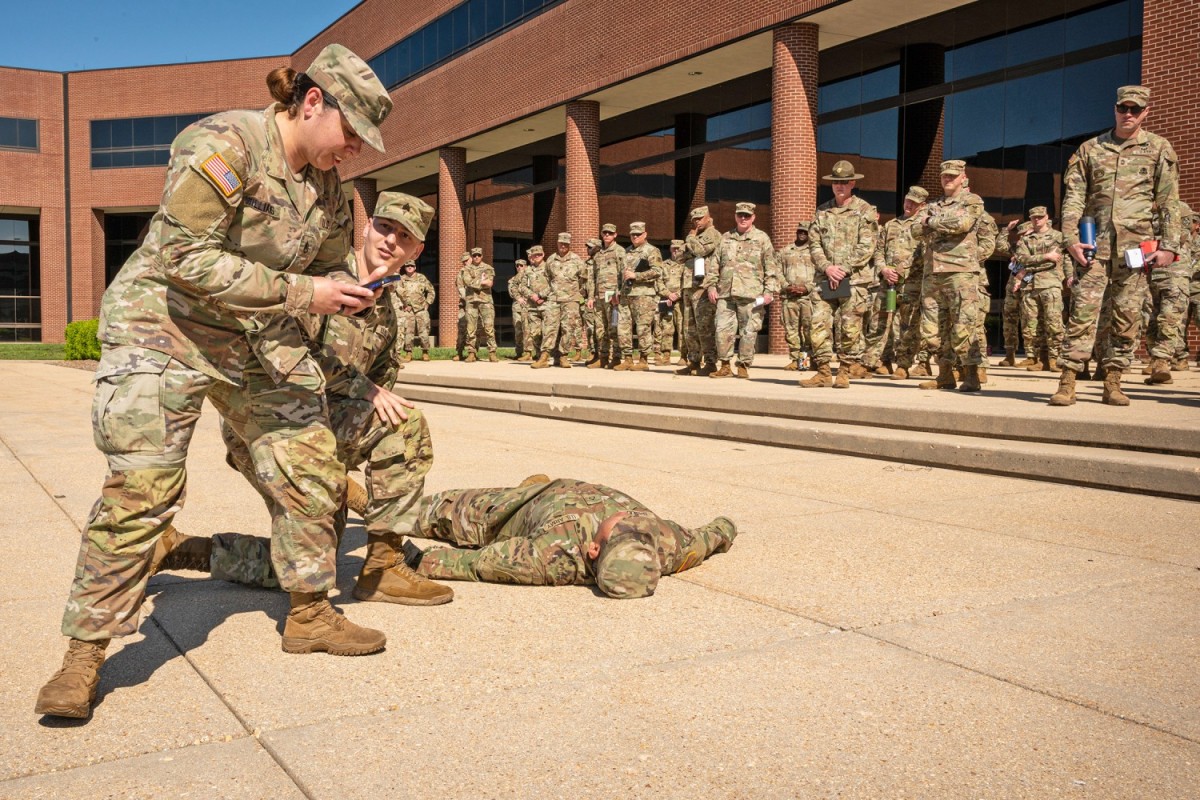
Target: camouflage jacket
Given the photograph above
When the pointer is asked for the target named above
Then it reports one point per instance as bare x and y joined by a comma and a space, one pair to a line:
566, 276
986, 235
1032, 255
1120, 184
845, 237
672, 280
473, 277
643, 283
517, 286
1005, 248
221, 277
589, 278
898, 249
747, 266
415, 292
796, 269
702, 245
610, 261
461, 286
949, 229
536, 282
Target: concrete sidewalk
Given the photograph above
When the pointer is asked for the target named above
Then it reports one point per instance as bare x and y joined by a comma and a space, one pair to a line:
879, 629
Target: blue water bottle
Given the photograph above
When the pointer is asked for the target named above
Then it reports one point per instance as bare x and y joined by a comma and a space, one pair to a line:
1087, 236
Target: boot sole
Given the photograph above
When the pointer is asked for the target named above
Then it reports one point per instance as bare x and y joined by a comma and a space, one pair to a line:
380, 597
72, 712
300, 646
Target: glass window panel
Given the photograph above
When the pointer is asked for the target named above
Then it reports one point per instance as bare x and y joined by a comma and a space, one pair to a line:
878, 137
513, 10
8, 310
143, 132
839, 94
881, 83
401, 54
429, 47
1034, 43
1033, 109
8, 132
416, 54
101, 133
162, 158
122, 159
976, 127
122, 132
839, 137
460, 17
143, 158
1088, 92
28, 133
1098, 26
445, 29
533, 5
6, 232
975, 59
101, 160
476, 20
165, 129
20, 232
495, 15
743, 120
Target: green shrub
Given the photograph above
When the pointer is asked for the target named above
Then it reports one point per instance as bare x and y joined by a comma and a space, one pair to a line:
82, 344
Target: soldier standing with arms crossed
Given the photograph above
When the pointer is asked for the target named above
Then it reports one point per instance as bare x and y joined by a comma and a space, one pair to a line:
415, 294
610, 262
1118, 178
670, 293
745, 283
798, 284
520, 311
638, 302
478, 278
1040, 255
702, 242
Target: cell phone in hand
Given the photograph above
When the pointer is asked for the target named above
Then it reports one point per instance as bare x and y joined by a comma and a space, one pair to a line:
382, 282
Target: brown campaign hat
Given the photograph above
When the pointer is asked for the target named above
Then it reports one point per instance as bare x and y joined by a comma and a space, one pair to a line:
954, 167
917, 194
411, 212
364, 101
842, 171
1139, 95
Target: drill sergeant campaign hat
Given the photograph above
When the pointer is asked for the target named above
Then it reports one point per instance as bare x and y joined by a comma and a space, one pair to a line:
362, 98
917, 194
411, 212
608, 227
842, 171
954, 166
628, 563
1038, 211
1138, 95
700, 212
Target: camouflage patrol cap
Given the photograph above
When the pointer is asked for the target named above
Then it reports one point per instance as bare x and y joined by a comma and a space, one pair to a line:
594, 242
628, 563
1038, 211
803, 225
637, 228
744, 208
678, 244
536, 250
954, 166
700, 212
842, 171
564, 238
1134, 94
608, 227
364, 101
408, 264
917, 194
476, 251
520, 262
465, 257
411, 212
1185, 211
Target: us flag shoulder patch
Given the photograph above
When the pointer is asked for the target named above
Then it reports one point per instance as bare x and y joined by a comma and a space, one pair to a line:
221, 174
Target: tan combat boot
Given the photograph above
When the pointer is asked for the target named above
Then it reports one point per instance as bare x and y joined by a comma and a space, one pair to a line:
492, 358
385, 578
1113, 395
722, 370
408, 355
743, 371
526, 357
543, 361
640, 364
823, 378
792, 366
314, 626
970, 380
1044, 364
945, 377
662, 360
920, 370
689, 368
1159, 372
425, 356
845, 371
1180, 364
1028, 362
900, 374
470, 359
1065, 396
882, 370
623, 364
564, 362
595, 363
855, 370
1008, 361
175, 550
356, 497
982, 372
532, 480
71, 690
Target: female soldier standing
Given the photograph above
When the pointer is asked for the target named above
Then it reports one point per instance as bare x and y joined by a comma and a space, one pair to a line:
252, 236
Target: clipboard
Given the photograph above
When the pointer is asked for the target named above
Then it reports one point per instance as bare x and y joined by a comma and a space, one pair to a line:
840, 293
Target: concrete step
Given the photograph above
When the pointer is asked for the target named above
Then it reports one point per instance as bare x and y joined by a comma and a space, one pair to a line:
1166, 474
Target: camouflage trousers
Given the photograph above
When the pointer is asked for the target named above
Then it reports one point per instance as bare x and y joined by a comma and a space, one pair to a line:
908, 350
560, 320
591, 322
1127, 290
520, 313
394, 460
461, 342
1044, 321
481, 326
670, 325
607, 344
796, 315
1168, 322
144, 412
738, 320
821, 329
700, 334
950, 316
985, 305
684, 306
1012, 319
880, 334
533, 328
852, 313
414, 328
636, 314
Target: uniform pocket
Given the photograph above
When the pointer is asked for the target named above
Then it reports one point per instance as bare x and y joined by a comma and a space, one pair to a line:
127, 412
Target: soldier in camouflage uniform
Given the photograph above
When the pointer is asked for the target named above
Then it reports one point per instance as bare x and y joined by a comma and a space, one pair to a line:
591, 311
460, 343
1193, 255
950, 230
238, 256
798, 283
1013, 316
520, 311
702, 242
1119, 178
1040, 255
670, 291
478, 278
986, 235
894, 256
842, 239
909, 257
610, 263
565, 272
560, 533
744, 283
536, 291
637, 302
415, 294
1169, 287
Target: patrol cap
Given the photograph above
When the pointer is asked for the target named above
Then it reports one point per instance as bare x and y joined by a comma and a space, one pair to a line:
564, 238
628, 566
744, 208
1038, 211
842, 171
364, 101
465, 257
536, 250
636, 228
954, 166
803, 225
700, 212
411, 212
917, 194
476, 251
520, 262
412, 264
1134, 94
608, 227
594, 242
678, 244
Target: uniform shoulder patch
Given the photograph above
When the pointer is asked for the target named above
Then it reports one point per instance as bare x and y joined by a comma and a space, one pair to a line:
221, 174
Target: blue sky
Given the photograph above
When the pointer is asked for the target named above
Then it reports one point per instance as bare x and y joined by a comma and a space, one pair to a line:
68, 35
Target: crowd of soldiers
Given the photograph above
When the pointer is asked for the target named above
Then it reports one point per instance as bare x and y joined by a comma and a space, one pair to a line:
885, 300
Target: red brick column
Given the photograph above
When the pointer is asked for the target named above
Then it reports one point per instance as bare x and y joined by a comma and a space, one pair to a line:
452, 238
363, 206
793, 144
583, 165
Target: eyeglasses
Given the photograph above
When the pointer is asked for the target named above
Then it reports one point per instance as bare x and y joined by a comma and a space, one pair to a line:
1131, 110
